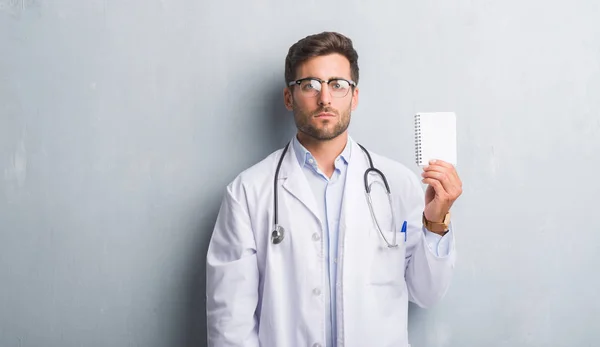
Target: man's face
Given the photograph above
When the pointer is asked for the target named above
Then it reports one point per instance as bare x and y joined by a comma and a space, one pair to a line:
322, 117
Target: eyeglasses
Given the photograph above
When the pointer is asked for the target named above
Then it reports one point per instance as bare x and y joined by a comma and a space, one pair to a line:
311, 86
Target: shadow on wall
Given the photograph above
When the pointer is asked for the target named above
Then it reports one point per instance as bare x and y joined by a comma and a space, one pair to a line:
281, 120
276, 130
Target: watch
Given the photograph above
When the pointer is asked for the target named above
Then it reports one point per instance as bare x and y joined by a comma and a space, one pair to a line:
437, 227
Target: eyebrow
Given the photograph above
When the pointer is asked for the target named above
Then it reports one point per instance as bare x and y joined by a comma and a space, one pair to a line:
329, 79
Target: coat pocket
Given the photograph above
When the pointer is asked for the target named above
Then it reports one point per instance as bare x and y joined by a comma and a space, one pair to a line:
387, 263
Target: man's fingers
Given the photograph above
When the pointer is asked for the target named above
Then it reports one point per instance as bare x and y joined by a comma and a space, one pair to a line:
441, 163
449, 171
447, 180
437, 185
444, 178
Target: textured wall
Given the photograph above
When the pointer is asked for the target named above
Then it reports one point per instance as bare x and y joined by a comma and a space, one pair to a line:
121, 122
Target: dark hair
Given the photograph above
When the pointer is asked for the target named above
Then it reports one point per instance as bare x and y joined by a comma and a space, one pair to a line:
318, 45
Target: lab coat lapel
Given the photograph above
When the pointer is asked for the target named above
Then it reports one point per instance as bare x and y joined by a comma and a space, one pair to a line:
355, 205
355, 215
295, 182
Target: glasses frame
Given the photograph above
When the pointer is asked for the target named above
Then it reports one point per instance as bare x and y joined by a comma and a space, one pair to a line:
299, 81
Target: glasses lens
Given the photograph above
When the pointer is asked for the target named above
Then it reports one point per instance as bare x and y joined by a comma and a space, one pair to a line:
310, 87
339, 88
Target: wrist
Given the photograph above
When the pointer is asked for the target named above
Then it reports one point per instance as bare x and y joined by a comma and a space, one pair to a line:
437, 227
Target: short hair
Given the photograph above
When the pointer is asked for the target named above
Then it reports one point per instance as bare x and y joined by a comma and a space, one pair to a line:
317, 45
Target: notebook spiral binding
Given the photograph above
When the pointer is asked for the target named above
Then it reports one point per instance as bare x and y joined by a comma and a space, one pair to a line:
418, 154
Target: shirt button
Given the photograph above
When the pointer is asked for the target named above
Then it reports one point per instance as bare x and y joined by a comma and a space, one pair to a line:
316, 345
317, 291
316, 237
311, 160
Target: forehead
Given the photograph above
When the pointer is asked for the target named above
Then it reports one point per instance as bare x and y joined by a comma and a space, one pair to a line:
325, 67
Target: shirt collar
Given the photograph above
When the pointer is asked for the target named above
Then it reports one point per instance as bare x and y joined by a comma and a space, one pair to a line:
304, 156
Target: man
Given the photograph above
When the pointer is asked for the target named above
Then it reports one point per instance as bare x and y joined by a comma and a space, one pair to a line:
316, 263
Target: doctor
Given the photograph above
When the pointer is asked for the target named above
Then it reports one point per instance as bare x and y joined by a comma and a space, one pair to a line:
300, 255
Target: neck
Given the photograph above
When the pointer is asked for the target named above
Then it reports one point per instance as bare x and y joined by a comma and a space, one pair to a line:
325, 152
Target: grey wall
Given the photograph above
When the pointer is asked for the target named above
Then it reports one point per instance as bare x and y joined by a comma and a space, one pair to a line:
121, 122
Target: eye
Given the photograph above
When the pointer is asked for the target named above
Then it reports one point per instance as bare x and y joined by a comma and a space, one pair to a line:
338, 85
307, 86
310, 85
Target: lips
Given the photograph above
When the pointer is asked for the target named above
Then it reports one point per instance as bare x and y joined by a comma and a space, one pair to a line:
325, 115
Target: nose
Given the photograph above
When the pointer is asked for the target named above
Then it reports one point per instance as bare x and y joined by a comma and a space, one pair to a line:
324, 95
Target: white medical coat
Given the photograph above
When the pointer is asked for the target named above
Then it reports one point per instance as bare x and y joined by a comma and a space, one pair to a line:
262, 294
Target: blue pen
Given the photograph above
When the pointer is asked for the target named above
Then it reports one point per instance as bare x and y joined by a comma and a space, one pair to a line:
404, 230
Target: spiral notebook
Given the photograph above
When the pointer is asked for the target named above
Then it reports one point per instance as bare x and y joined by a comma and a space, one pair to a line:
435, 137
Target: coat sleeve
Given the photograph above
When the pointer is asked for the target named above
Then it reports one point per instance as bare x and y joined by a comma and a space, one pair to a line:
427, 275
232, 276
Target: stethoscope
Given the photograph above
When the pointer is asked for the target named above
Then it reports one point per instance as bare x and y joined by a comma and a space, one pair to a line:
279, 232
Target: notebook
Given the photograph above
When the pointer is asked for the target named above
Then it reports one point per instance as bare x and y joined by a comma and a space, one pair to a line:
435, 137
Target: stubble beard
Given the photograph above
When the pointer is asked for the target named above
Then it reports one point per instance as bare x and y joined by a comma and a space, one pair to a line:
329, 131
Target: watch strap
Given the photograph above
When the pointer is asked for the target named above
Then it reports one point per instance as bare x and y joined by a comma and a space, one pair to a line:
435, 226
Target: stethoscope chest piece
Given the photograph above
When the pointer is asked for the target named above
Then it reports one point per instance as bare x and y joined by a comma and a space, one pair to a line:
277, 234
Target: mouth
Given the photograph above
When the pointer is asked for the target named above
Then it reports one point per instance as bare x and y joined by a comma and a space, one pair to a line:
325, 115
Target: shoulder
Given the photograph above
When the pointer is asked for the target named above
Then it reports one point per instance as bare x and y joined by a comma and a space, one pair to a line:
255, 177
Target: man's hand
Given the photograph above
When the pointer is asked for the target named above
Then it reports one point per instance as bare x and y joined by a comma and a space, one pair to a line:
444, 188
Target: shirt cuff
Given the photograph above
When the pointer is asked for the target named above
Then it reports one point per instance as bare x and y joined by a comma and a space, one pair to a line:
438, 244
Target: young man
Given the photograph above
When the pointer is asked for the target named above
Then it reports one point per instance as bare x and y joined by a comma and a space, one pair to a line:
300, 254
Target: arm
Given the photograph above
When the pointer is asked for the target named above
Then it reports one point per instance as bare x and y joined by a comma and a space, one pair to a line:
429, 265
232, 276
438, 244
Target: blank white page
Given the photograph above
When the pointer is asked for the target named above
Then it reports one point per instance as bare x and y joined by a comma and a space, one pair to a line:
435, 137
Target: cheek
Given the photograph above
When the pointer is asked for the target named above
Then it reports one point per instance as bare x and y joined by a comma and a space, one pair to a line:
304, 105
344, 105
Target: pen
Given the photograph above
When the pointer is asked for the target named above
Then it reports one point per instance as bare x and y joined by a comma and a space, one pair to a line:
404, 230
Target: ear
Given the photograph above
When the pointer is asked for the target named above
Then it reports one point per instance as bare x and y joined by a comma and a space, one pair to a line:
355, 99
288, 98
